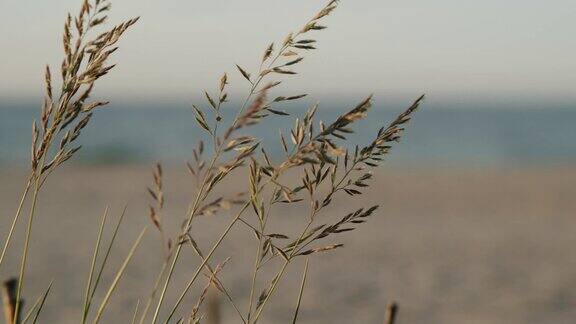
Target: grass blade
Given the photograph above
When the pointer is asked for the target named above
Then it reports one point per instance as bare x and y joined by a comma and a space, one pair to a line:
220, 284
154, 291
93, 265
40, 299
118, 277
15, 220
206, 259
109, 249
135, 311
23, 263
41, 306
31, 311
304, 275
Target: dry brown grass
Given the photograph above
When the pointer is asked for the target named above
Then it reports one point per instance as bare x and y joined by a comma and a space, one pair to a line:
65, 115
316, 153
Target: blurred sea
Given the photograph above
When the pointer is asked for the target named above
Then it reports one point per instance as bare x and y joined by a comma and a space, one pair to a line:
439, 134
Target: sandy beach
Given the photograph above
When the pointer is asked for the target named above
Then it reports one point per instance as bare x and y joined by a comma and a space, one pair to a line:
488, 245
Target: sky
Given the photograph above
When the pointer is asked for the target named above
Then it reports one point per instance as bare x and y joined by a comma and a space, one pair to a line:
445, 48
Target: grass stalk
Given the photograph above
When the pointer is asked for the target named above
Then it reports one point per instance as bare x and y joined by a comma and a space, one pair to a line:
319, 156
117, 277
275, 282
197, 201
301, 292
178, 250
208, 256
258, 259
15, 219
31, 310
41, 306
254, 277
105, 260
135, 312
26, 247
93, 265
254, 85
287, 261
213, 273
154, 291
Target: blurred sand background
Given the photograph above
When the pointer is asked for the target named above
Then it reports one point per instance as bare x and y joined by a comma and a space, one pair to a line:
451, 245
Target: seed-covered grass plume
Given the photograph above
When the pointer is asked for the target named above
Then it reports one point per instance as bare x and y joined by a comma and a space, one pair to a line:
318, 165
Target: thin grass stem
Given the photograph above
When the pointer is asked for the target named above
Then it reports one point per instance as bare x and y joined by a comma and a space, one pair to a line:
300, 293
15, 219
26, 248
105, 260
199, 269
135, 311
93, 264
154, 291
224, 290
41, 306
117, 277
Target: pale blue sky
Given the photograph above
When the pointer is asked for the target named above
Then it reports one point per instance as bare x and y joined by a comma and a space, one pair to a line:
506, 48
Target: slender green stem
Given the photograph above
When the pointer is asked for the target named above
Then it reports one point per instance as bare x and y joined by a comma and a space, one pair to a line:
42, 303
154, 291
15, 219
105, 260
118, 277
192, 210
219, 282
135, 312
93, 265
199, 269
272, 290
254, 276
32, 309
26, 247
258, 259
284, 266
302, 284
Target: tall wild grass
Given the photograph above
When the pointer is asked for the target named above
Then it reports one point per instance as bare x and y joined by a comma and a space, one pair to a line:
316, 153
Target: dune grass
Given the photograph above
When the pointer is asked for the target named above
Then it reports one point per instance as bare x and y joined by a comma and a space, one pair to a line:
318, 154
